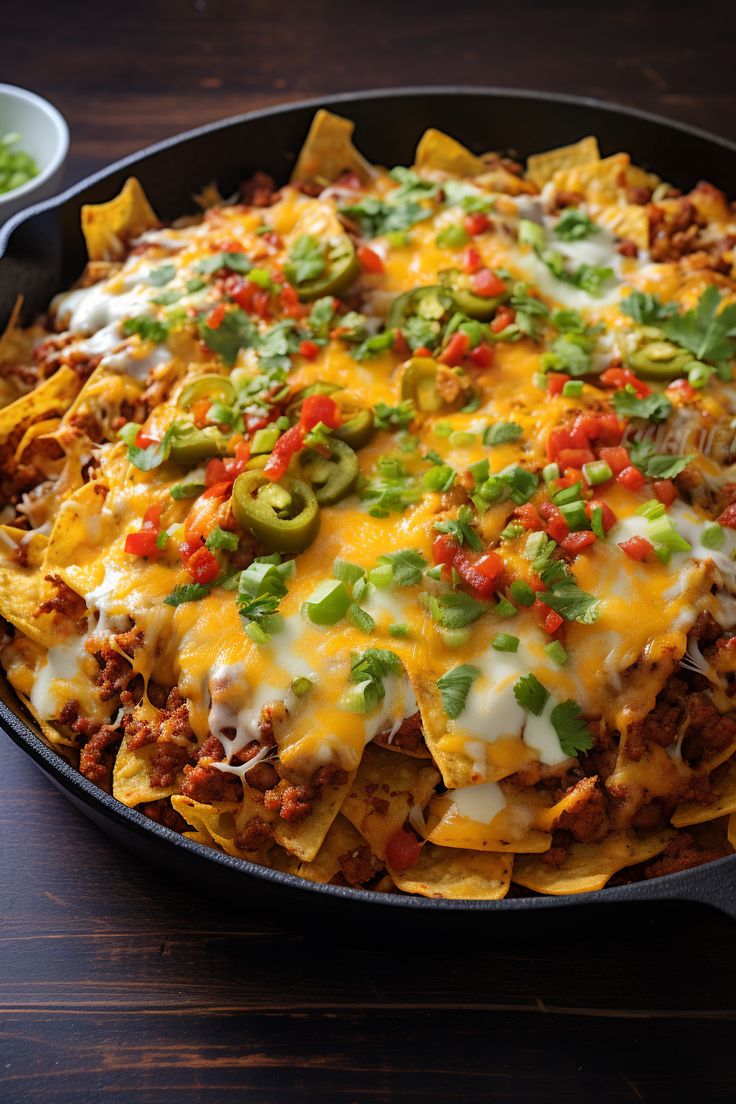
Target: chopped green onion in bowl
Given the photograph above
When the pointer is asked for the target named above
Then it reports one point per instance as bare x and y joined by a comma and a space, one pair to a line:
16, 166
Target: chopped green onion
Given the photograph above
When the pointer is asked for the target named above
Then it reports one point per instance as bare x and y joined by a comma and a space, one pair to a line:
511, 532
556, 652
661, 531
504, 608
328, 604
663, 553
381, 576
651, 509
568, 494
713, 536
442, 429
359, 618
460, 438
401, 629
575, 515
301, 686
572, 389
522, 593
598, 471
452, 237
346, 572
186, 490
596, 522
493, 489
264, 440
550, 473
479, 472
505, 642
699, 375
455, 638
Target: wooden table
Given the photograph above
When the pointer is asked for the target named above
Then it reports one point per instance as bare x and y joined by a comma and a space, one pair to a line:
114, 985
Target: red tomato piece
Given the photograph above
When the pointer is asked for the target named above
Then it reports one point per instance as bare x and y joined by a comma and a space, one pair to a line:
682, 389
608, 518
215, 316
619, 377
728, 517
476, 223
308, 349
369, 259
142, 543
528, 516
556, 526
576, 542
471, 260
665, 490
617, 458
316, 409
203, 566
631, 478
574, 457
455, 351
287, 445
444, 549
479, 581
400, 345
504, 317
402, 850
550, 619
487, 284
482, 355
556, 381
423, 351
638, 548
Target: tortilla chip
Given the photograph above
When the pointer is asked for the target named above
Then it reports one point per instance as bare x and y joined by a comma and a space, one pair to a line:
601, 182
441, 152
385, 791
341, 839
225, 820
22, 589
109, 227
457, 875
305, 837
629, 222
541, 167
724, 787
54, 395
38, 429
518, 827
328, 151
588, 866
131, 779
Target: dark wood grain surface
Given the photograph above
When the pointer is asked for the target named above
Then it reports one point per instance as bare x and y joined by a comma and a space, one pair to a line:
117, 986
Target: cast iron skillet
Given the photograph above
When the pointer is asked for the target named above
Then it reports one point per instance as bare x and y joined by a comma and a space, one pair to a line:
42, 252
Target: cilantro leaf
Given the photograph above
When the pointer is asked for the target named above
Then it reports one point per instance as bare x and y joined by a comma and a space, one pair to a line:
147, 328
530, 311
455, 611
501, 433
321, 315
571, 728
657, 465
221, 538
407, 566
654, 407
391, 489
530, 694
236, 262
574, 225
705, 331
380, 216
306, 260
646, 309
157, 277
571, 353
394, 417
186, 592
461, 529
146, 459
235, 332
566, 598
454, 687
411, 185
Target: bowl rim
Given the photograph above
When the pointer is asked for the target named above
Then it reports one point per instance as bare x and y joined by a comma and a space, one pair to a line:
688, 885
15, 92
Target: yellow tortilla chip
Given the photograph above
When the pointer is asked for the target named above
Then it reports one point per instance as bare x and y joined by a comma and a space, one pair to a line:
38, 429
437, 150
224, 821
516, 827
385, 791
588, 866
108, 227
457, 875
54, 395
328, 151
629, 222
22, 589
603, 182
541, 167
724, 786
341, 839
131, 779
305, 838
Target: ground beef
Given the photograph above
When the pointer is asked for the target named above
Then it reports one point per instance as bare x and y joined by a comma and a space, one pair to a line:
682, 853
115, 673
174, 719
138, 732
293, 804
94, 762
130, 641
586, 818
66, 602
708, 732
166, 763
258, 190
254, 834
662, 725
410, 735
555, 856
210, 749
209, 785
329, 775
87, 424
263, 776
358, 866
673, 232
162, 812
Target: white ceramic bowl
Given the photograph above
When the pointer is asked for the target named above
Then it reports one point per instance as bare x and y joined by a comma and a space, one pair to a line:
44, 134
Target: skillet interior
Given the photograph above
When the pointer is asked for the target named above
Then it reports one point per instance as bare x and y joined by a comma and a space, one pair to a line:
42, 251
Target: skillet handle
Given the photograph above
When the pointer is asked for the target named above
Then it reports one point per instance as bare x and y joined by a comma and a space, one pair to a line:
713, 884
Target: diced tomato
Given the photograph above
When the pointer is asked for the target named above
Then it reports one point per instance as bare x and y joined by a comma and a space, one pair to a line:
567, 438
400, 345
576, 542
638, 548
682, 389
665, 490
617, 458
241, 291
308, 349
287, 445
369, 259
455, 351
471, 260
214, 472
152, 517
480, 579
574, 457
476, 223
199, 412
142, 543
482, 355
504, 317
631, 478
619, 377
444, 550
556, 526
143, 441
215, 316
550, 619
218, 490
487, 284
528, 516
290, 303
556, 381
316, 409
610, 430
402, 850
423, 351
261, 302
728, 517
201, 519
608, 518
203, 566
